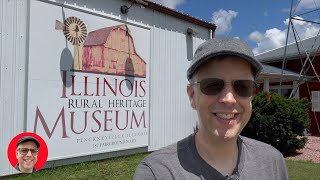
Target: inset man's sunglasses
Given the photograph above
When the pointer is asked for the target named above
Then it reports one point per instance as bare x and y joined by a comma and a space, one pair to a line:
25, 151
214, 86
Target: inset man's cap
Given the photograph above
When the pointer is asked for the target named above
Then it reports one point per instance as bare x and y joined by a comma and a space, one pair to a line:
26, 139
226, 46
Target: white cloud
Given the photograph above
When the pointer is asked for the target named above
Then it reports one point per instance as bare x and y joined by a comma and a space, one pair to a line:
305, 29
296, 22
270, 39
169, 3
308, 4
222, 19
275, 38
256, 36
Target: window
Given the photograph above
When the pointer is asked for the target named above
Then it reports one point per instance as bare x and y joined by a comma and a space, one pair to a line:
315, 99
284, 91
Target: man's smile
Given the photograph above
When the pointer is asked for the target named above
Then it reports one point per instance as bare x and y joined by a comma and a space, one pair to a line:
225, 116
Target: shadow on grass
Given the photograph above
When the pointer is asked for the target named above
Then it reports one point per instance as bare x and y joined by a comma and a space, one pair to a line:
293, 154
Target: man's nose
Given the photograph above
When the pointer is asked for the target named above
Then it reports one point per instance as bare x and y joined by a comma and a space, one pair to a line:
29, 153
227, 95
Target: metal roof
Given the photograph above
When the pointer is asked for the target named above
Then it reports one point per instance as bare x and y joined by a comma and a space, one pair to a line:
175, 13
310, 45
275, 74
267, 69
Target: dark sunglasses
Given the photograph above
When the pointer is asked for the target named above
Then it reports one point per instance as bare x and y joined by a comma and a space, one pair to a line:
25, 151
214, 86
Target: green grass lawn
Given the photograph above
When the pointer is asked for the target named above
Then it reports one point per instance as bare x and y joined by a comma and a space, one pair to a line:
303, 170
115, 169
124, 167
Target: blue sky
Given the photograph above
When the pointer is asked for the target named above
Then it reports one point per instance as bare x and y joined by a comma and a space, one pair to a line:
261, 23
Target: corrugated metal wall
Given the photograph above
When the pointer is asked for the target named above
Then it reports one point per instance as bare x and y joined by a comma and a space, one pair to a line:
171, 117
13, 37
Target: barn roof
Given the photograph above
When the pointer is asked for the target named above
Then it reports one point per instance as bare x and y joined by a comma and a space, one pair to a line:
100, 36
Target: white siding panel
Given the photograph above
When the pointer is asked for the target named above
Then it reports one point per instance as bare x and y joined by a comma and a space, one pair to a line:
13, 25
171, 117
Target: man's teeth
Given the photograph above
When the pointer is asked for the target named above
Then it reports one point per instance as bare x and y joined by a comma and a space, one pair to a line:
225, 116
28, 160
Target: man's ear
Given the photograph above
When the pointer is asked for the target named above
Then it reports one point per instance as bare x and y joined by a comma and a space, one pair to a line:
191, 95
17, 154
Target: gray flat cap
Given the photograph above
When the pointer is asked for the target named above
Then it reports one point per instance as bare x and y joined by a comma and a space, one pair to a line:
28, 138
227, 46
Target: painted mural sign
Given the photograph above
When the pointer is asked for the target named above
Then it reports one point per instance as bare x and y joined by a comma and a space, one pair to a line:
88, 88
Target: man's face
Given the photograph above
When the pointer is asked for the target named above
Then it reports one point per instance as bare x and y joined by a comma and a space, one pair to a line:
26, 159
222, 116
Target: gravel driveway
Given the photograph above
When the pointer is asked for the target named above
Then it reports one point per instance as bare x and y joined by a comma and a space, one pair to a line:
311, 151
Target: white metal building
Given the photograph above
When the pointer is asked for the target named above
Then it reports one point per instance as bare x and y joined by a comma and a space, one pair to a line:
79, 88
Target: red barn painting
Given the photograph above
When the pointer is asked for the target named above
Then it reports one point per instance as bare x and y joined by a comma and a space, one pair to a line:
111, 50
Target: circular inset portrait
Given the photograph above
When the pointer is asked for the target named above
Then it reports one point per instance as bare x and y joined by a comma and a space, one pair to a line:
27, 152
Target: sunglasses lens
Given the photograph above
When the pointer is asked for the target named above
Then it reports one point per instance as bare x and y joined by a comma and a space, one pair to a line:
211, 86
244, 88
25, 151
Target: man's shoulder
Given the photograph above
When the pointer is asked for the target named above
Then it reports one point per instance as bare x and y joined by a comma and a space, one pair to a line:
167, 162
168, 153
261, 156
170, 150
258, 147
17, 167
